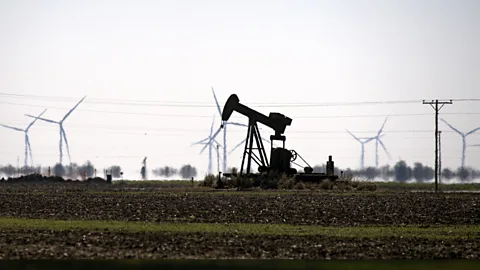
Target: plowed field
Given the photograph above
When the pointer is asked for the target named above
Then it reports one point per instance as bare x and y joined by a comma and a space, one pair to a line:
114, 245
305, 209
345, 210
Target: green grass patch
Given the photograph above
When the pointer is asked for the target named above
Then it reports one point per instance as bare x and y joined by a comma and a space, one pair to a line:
160, 183
427, 186
394, 186
436, 232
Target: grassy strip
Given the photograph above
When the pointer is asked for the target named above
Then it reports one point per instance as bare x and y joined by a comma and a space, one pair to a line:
386, 185
427, 186
255, 229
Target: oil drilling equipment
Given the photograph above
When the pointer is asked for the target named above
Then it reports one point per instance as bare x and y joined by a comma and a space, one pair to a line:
281, 158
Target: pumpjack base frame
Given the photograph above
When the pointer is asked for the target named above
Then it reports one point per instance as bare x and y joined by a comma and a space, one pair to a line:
314, 177
299, 177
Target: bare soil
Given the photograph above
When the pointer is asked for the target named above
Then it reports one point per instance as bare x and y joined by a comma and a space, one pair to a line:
320, 209
45, 244
323, 209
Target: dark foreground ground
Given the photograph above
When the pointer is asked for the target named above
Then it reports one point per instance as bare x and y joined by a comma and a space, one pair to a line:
340, 209
79, 244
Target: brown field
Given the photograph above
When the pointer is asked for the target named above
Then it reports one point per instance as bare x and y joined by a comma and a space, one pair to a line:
120, 221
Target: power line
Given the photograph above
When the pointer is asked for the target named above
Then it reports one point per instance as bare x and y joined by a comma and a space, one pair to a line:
211, 104
187, 130
240, 117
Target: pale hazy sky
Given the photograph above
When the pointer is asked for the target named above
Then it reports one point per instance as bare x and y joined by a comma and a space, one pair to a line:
166, 52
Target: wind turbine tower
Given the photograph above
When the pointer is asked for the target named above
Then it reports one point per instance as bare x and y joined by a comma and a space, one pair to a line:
28, 148
379, 141
63, 135
464, 139
362, 153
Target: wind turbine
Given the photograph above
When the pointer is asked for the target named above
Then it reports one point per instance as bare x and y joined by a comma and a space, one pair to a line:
362, 155
208, 142
464, 137
225, 124
63, 135
28, 148
378, 141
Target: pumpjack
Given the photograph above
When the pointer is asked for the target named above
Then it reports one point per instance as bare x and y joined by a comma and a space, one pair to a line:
280, 157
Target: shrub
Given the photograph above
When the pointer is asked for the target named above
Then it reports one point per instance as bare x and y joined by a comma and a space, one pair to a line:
367, 186
209, 180
286, 183
269, 183
355, 184
243, 182
325, 184
299, 186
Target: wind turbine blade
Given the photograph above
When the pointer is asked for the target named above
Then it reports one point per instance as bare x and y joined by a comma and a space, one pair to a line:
384, 148
373, 138
381, 129
354, 136
211, 139
27, 139
369, 139
14, 128
43, 119
475, 145
454, 129
238, 145
203, 149
35, 120
26, 150
71, 110
211, 128
215, 134
236, 124
216, 101
66, 144
473, 131
200, 142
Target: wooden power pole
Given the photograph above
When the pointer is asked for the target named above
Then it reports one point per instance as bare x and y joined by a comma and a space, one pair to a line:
440, 157
434, 104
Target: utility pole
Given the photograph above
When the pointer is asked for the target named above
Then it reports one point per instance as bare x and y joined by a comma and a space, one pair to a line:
440, 156
437, 109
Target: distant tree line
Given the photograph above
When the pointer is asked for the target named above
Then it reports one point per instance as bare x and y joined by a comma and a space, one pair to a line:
76, 171
73, 170
402, 172
186, 171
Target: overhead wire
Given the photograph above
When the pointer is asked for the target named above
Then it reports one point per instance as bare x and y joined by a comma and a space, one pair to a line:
211, 104
210, 116
187, 130
161, 156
